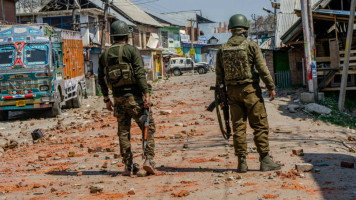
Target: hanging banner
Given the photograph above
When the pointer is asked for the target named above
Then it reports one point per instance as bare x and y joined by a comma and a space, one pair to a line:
147, 61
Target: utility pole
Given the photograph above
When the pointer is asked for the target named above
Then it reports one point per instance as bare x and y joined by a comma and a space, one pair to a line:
347, 57
74, 19
192, 44
103, 32
307, 43
253, 16
313, 51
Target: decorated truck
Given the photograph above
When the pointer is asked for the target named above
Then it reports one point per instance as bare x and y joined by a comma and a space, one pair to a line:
40, 67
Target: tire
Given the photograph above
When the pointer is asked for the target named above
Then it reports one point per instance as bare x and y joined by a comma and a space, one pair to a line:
201, 70
78, 101
69, 104
177, 72
57, 107
4, 115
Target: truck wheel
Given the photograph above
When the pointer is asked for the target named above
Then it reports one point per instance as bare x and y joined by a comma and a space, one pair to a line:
56, 107
4, 115
177, 72
77, 102
69, 104
201, 70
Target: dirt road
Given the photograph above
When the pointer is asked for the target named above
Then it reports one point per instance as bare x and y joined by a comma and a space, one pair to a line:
81, 151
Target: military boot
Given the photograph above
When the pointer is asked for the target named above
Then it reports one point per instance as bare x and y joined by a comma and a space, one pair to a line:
128, 170
267, 164
136, 168
242, 164
149, 166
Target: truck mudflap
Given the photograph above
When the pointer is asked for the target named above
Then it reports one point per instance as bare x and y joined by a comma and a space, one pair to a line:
26, 107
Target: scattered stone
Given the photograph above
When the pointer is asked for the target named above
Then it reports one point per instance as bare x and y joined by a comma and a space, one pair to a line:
182, 193
317, 170
96, 188
30, 168
107, 158
79, 173
36, 185
271, 177
38, 193
81, 167
238, 177
304, 167
178, 136
179, 124
56, 158
336, 150
131, 191
141, 174
221, 175
293, 107
347, 164
96, 155
185, 146
71, 154
165, 112
319, 109
230, 178
302, 176
298, 152
116, 156
217, 181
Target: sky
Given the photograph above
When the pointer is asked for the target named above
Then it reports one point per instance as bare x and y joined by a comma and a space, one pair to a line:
215, 10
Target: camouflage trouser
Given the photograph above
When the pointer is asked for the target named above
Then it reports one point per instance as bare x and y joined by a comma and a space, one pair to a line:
246, 102
126, 108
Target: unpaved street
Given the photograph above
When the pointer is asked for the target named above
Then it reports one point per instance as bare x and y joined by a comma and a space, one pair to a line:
192, 158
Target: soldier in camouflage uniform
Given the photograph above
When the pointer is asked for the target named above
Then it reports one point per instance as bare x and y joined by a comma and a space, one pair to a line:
240, 65
121, 70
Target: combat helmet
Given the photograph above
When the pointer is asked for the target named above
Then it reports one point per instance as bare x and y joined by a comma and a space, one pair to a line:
238, 21
119, 28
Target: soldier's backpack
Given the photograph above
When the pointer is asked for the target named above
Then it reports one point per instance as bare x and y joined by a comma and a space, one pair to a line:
119, 74
235, 62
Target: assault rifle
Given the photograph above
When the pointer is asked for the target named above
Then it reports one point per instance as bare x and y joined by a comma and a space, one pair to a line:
146, 123
221, 98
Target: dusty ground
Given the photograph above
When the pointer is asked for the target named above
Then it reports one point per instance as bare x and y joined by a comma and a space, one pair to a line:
61, 166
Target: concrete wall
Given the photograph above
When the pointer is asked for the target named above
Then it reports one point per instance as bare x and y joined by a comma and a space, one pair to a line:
270, 62
141, 35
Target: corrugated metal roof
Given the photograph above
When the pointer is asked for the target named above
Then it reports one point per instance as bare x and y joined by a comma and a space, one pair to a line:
183, 17
284, 22
222, 37
166, 18
268, 44
287, 18
345, 13
136, 14
100, 5
288, 6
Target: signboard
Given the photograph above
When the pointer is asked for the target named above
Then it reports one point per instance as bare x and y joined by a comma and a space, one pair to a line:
147, 61
184, 38
202, 39
192, 52
153, 41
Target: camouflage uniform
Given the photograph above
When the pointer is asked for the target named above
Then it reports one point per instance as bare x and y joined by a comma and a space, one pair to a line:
237, 62
128, 100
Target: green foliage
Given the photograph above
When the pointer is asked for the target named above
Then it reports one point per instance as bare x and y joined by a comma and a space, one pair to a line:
336, 117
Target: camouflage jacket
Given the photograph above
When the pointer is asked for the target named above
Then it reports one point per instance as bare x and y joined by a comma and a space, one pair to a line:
256, 63
130, 55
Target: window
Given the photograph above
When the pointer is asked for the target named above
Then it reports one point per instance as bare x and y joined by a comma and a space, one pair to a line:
36, 54
173, 61
7, 54
164, 35
181, 61
63, 22
92, 26
188, 61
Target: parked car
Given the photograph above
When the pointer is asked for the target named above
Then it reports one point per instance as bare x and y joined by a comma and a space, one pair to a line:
180, 65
